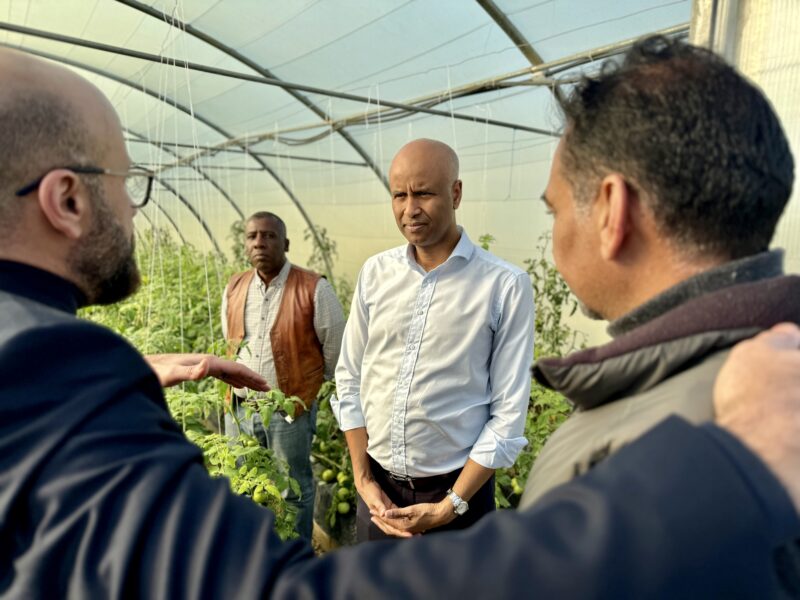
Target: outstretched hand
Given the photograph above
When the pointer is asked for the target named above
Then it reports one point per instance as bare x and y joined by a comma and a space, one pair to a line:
173, 369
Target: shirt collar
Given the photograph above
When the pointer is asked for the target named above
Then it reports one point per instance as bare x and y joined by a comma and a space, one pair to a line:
40, 286
464, 249
279, 280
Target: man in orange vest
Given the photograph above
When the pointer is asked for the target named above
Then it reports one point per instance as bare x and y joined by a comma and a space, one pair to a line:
286, 324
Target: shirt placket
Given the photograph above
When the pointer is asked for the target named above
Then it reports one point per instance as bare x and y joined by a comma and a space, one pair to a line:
255, 315
266, 306
411, 352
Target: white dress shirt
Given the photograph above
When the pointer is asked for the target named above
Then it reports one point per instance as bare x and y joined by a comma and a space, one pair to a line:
261, 308
436, 365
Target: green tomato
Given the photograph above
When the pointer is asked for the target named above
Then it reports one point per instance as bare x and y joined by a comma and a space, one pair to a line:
343, 493
323, 446
260, 497
343, 508
250, 441
342, 478
328, 475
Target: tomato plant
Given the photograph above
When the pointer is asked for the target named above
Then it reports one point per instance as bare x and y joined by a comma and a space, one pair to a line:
329, 452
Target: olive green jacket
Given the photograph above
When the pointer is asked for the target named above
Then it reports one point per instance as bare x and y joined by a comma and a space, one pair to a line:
665, 366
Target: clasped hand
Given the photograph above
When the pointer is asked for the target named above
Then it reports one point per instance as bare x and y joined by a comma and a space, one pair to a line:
406, 521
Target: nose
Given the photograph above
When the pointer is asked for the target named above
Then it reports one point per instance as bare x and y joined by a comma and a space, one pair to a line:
412, 205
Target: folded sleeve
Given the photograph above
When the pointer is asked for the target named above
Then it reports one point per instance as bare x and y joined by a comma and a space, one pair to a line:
346, 404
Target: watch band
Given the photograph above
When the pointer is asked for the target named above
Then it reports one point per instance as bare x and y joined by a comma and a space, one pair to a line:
460, 506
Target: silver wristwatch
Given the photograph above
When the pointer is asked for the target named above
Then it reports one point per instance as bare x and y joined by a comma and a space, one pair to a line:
460, 506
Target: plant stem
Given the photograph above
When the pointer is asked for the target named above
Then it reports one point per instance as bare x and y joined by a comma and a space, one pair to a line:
326, 459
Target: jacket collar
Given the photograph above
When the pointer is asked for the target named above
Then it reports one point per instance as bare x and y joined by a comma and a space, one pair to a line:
647, 355
40, 286
750, 268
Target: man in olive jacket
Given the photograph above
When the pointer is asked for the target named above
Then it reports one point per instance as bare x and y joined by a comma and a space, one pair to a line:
665, 192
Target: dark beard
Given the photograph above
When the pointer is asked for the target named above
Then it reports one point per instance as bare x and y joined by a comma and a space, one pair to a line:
123, 282
104, 262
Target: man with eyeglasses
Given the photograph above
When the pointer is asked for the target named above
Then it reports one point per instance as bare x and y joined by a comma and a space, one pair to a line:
101, 495
105, 261
138, 181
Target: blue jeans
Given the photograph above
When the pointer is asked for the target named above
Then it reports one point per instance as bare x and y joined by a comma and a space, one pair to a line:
292, 443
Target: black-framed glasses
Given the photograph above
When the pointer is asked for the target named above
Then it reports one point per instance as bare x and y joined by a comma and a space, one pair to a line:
138, 181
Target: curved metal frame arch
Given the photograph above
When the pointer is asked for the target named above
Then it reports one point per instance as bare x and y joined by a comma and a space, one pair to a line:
169, 218
199, 170
517, 37
153, 227
192, 210
241, 58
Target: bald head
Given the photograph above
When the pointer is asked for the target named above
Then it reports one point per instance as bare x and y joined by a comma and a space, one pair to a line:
49, 117
437, 155
426, 192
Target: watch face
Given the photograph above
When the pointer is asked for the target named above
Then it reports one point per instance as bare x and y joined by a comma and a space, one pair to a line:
462, 508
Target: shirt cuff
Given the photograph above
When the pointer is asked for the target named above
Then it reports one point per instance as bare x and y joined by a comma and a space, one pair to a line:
494, 452
347, 412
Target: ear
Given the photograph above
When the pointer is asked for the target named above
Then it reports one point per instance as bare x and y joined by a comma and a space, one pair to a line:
65, 203
612, 211
456, 193
286, 245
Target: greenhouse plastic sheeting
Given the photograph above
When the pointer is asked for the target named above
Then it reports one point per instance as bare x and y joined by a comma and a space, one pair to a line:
288, 157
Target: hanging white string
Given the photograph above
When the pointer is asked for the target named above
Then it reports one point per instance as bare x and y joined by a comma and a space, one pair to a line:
488, 112
485, 197
380, 128
202, 202
153, 131
511, 164
332, 153
452, 112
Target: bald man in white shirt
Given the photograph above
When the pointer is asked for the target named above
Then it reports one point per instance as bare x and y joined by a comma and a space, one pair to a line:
434, 375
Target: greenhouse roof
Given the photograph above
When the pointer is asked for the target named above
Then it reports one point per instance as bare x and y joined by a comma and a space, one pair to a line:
245, 104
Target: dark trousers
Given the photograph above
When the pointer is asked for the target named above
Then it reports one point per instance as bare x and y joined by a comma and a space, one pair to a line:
425, 489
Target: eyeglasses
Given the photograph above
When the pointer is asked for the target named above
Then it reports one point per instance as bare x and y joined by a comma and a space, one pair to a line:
138, 181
